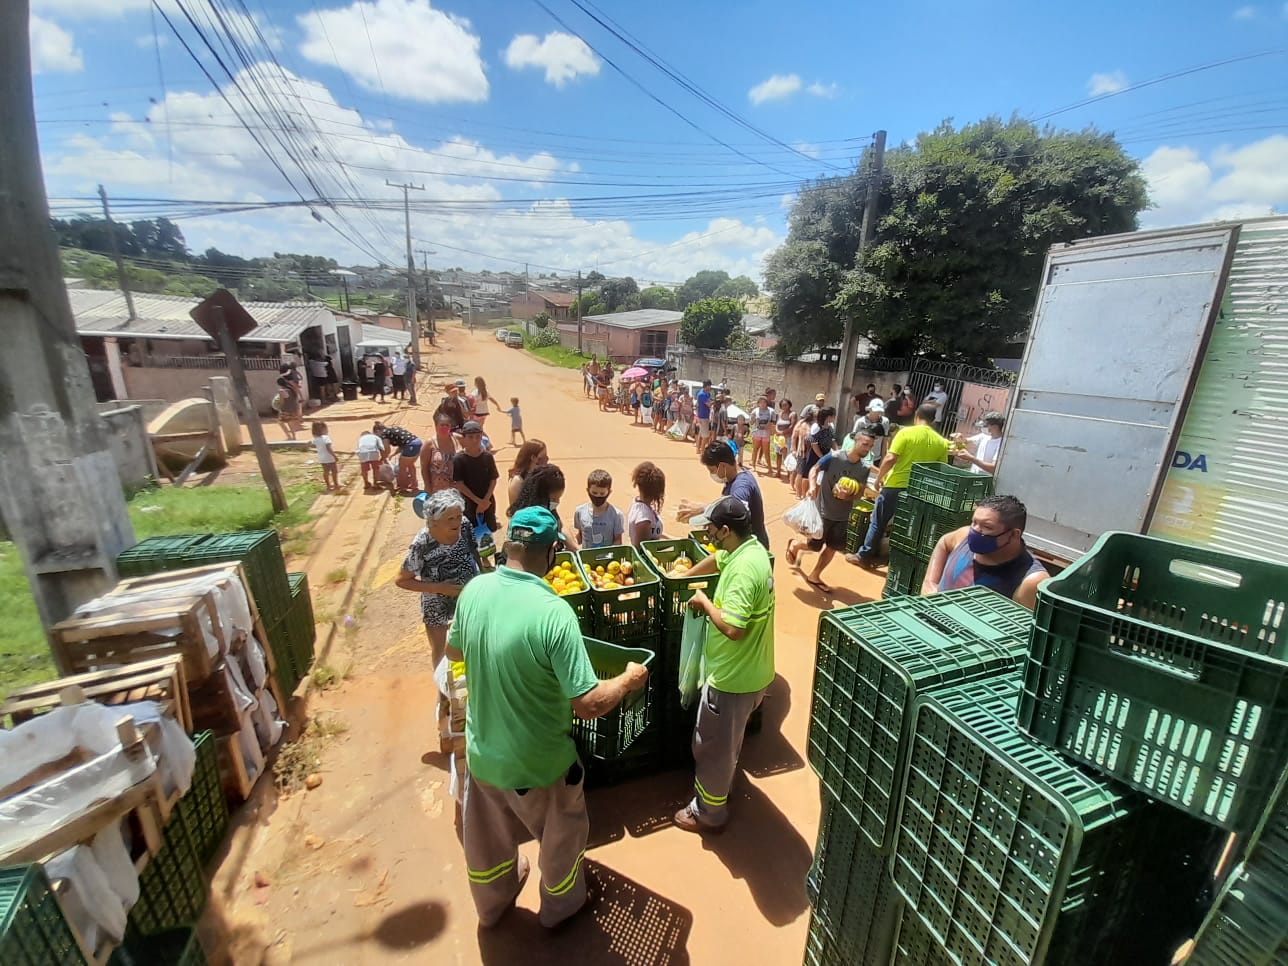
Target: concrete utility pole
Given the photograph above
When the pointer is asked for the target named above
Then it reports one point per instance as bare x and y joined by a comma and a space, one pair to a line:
850, 344
411, 289
579, 311
116, 255
68, 520
429, 291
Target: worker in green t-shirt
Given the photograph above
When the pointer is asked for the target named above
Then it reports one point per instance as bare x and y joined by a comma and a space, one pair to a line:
738, 656
915, 444
528, 674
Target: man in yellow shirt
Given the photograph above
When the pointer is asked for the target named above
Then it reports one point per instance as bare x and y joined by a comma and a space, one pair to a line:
916, 444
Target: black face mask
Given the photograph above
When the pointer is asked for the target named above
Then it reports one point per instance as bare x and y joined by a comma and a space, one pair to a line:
598, 500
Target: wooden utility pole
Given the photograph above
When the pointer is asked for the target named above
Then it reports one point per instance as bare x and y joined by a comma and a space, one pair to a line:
246, 409
429, 289
59, 496
850, 344
579, 311
116, 255
412, 317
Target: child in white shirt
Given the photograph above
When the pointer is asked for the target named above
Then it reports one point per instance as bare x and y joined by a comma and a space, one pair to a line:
326, 456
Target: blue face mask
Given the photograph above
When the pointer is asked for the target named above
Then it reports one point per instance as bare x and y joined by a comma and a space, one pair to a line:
983, 543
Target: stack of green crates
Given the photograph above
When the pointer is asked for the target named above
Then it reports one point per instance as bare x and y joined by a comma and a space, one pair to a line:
174, 947
294, 636
203, 810
939, 499
172, 886
33, 931
856, 528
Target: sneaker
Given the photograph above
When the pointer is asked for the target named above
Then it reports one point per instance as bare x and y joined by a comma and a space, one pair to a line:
687, 819
858, 561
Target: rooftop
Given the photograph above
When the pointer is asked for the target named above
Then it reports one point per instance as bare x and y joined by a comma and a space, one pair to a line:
639, 319
102, 312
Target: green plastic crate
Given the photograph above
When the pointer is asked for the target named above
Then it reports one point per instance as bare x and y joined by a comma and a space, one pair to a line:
157, 554
948, 487
204, 808
580, 602
915, 946
1007, 853
700, 538
641, 760
676, 591
904, 575
853, 896
172, 886
918, 525
821, 948
1166, 666
628, 614
1248, 923
609, 735
174, 947
873, 660
279, 642
856, 528
33, 931
303, 631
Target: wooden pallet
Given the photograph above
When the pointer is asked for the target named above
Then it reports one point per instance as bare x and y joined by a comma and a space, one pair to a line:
241, 760
164, 579
161, 679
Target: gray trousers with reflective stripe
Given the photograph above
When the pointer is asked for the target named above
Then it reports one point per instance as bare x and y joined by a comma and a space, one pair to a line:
496, 821
717, 742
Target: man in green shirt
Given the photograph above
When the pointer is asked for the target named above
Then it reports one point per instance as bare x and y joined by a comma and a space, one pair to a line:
738, 655
528, 674
915, 444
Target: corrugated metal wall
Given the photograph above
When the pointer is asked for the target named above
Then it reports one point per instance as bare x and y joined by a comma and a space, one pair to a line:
1228, 484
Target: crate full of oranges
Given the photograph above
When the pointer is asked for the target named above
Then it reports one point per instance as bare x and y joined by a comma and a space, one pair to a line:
624, 594
569, 581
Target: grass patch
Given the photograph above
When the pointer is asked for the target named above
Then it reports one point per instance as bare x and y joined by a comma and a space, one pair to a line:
337, 576
303, 756
560, 356
326, 676
24, 653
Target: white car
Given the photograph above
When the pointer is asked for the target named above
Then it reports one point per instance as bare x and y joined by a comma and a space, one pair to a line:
733, 410
501, 334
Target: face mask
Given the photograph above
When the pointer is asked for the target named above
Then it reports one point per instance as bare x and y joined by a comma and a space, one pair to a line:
598, 500
554, 505
984, 543
715, 478
444, 430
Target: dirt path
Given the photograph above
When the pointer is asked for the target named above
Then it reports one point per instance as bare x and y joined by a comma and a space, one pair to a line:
367, 868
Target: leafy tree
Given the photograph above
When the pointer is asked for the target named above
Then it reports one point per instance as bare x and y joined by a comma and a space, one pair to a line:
94, 234
703, 285
265, 288
541, 320
589, 303
740, 340
615, 292
594, 278
708, 322
737, 288
965, 217
657, 297
159, 238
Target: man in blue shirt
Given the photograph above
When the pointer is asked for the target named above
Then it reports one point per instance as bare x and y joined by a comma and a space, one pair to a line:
722, 464
702, 412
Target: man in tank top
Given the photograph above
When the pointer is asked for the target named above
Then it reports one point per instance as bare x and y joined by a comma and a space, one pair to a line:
988, 553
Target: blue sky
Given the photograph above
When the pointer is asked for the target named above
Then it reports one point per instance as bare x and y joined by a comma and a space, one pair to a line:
533, 145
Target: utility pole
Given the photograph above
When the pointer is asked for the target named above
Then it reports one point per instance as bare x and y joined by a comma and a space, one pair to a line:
116, 255
579, 311
850, 345
429, 290
58, 492
412, 317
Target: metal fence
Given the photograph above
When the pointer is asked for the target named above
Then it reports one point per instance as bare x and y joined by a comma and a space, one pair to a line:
250, 363
971, 390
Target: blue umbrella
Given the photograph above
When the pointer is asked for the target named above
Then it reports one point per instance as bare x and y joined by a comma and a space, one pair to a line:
651, 363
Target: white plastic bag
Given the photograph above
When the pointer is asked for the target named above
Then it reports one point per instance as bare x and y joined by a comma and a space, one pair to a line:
789, 463
386, 473
805, 518
679, 430
692, 669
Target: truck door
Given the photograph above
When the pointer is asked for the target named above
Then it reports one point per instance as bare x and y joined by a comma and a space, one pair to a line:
1120, 326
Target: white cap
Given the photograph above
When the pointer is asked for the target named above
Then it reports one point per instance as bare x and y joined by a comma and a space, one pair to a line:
876, 406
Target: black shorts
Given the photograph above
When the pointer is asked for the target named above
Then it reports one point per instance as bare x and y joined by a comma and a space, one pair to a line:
489, 518
400, 382
833, 536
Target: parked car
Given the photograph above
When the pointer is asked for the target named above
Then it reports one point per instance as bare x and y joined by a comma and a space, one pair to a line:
514, 340
501, 334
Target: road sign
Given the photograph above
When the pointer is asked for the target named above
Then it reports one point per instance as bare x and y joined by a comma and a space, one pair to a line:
240, 322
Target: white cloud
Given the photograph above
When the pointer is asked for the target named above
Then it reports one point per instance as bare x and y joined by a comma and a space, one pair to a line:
819, 89
804, 147
89, 9
1246, 13
404, 48
150, 42
1242, 182
203, 153
775, 88
564, 57
53, 50
1107, 83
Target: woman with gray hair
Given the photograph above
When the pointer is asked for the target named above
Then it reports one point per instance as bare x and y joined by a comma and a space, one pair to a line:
440, 561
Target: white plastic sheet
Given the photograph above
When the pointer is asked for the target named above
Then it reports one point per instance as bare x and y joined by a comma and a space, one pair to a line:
88, 900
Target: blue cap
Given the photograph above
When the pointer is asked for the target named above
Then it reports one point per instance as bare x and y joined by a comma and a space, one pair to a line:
418, 503
535, 524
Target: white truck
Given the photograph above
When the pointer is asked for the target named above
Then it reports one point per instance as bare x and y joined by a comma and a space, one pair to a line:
1153, 396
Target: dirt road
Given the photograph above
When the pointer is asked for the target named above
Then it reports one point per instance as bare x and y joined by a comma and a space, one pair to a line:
367, 868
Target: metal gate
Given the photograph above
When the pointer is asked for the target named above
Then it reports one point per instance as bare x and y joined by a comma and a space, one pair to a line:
972, 391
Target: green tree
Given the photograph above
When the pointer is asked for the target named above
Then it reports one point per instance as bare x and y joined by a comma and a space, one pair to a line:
707, 323
965, 217
615, 292
594, 278
159, 238
703, 285
541, 320
589, 304
657, 297
737, 288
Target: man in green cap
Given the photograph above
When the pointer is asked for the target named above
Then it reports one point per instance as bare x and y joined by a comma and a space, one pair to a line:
528, 674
